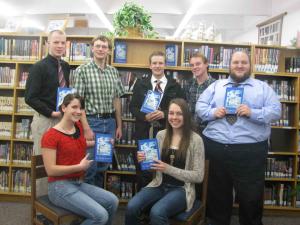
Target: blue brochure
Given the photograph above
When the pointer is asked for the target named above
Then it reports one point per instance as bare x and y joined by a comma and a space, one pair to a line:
233, 99
171, 55
103, 148
61, 94
151, 101
151, 150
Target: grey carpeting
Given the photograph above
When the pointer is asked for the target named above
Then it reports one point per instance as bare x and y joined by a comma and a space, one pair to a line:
19, 214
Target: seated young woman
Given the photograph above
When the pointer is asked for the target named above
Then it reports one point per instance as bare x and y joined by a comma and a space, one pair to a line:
172, 189
65, 160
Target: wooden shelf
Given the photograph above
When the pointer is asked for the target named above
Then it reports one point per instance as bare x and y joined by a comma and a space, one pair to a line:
22, 140
280, 179
121, 172
125, 146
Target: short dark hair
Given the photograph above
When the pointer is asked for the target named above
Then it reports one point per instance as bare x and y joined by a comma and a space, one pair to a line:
156, 53
69, 98
102, 38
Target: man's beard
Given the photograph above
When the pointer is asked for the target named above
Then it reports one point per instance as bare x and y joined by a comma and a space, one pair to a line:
239, 79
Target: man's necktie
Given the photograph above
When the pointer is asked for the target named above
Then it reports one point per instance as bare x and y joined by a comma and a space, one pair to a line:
61, 78
158, 87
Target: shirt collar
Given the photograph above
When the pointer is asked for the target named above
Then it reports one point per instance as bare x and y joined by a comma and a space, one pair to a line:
249, 81
163, 80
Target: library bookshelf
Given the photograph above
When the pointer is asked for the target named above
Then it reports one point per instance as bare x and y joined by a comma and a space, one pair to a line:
276, 65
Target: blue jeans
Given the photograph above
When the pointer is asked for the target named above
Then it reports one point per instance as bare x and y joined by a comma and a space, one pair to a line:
104, 126
163, 202
98, 206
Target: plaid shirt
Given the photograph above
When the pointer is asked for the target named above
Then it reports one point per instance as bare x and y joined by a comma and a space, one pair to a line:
98, 87
193, 90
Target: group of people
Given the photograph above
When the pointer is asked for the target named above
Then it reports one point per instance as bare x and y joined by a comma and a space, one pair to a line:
191, 125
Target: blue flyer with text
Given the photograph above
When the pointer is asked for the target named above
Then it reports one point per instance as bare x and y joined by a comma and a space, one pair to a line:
151, 101
151, 150
103, 148
233, 99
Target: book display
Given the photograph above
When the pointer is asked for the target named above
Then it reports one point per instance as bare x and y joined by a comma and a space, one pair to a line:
275, 65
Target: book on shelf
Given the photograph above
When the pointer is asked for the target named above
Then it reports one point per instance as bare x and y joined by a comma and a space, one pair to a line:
113, 184
61, 94
171, 54
233, 99
120, 54
103, 148
151, 151
151, 101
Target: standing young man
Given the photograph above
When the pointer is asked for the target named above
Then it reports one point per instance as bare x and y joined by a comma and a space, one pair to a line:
44, 78
237, 144
169, 89
101, 87
193, 89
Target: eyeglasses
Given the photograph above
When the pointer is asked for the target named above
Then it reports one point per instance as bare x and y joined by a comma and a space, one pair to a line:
101, 46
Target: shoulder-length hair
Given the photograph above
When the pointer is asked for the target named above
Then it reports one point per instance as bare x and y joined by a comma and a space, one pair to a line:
186, 130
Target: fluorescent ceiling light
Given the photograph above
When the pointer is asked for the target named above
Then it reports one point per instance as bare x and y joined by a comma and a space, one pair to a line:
191, 11
99, 13
7, 10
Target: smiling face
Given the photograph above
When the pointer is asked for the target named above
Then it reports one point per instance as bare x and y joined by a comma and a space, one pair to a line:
239, 67
100, 49
157, 66
199, 67
73, 110
175, 116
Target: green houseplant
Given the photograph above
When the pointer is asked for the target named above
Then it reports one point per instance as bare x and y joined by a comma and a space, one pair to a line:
132, 17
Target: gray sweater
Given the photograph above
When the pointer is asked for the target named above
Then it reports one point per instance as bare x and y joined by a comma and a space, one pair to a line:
194, 167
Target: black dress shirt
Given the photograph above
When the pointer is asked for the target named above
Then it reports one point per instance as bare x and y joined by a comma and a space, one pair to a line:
42, 84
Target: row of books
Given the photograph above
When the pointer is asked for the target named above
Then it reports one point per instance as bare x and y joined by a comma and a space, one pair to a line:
124, 160
286, 119
292, 64
128, 79
266, 59
4, 152
24, 49
77, 51
23, 78
278, 194
22, 107
122, 189
21, 180
7, 76
284, 89
4, 174
6, 103
22, 153
5, 128
125, 107
278, 168
217, 57
23, 129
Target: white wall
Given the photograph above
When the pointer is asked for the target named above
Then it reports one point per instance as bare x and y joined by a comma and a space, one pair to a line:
291, 23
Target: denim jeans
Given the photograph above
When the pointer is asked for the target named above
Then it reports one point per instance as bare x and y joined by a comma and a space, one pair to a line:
98, 206
163, 202
104, 126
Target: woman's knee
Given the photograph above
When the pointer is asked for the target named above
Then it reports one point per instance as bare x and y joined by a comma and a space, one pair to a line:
100, 218
157, 214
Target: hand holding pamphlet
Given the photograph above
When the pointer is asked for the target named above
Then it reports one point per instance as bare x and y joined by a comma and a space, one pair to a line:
150, 148
151, 101
233, 99
103, 148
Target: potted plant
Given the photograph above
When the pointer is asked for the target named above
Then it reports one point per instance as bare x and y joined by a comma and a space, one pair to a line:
133, 20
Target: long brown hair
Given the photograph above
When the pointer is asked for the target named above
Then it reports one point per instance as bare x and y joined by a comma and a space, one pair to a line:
186, 130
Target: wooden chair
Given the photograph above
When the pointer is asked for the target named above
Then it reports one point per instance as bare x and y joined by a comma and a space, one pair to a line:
197, 214
41, 205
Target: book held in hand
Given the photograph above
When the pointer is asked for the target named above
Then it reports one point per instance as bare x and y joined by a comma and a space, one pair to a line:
103, 148
120, 52
233, 99
151, 101
61, 94
151, 150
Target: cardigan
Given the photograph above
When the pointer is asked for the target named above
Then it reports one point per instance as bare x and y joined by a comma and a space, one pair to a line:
194, 167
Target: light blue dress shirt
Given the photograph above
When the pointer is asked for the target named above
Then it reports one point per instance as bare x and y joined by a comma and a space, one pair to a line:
258, 95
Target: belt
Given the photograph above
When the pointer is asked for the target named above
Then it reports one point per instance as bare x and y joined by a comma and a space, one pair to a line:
103, 115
